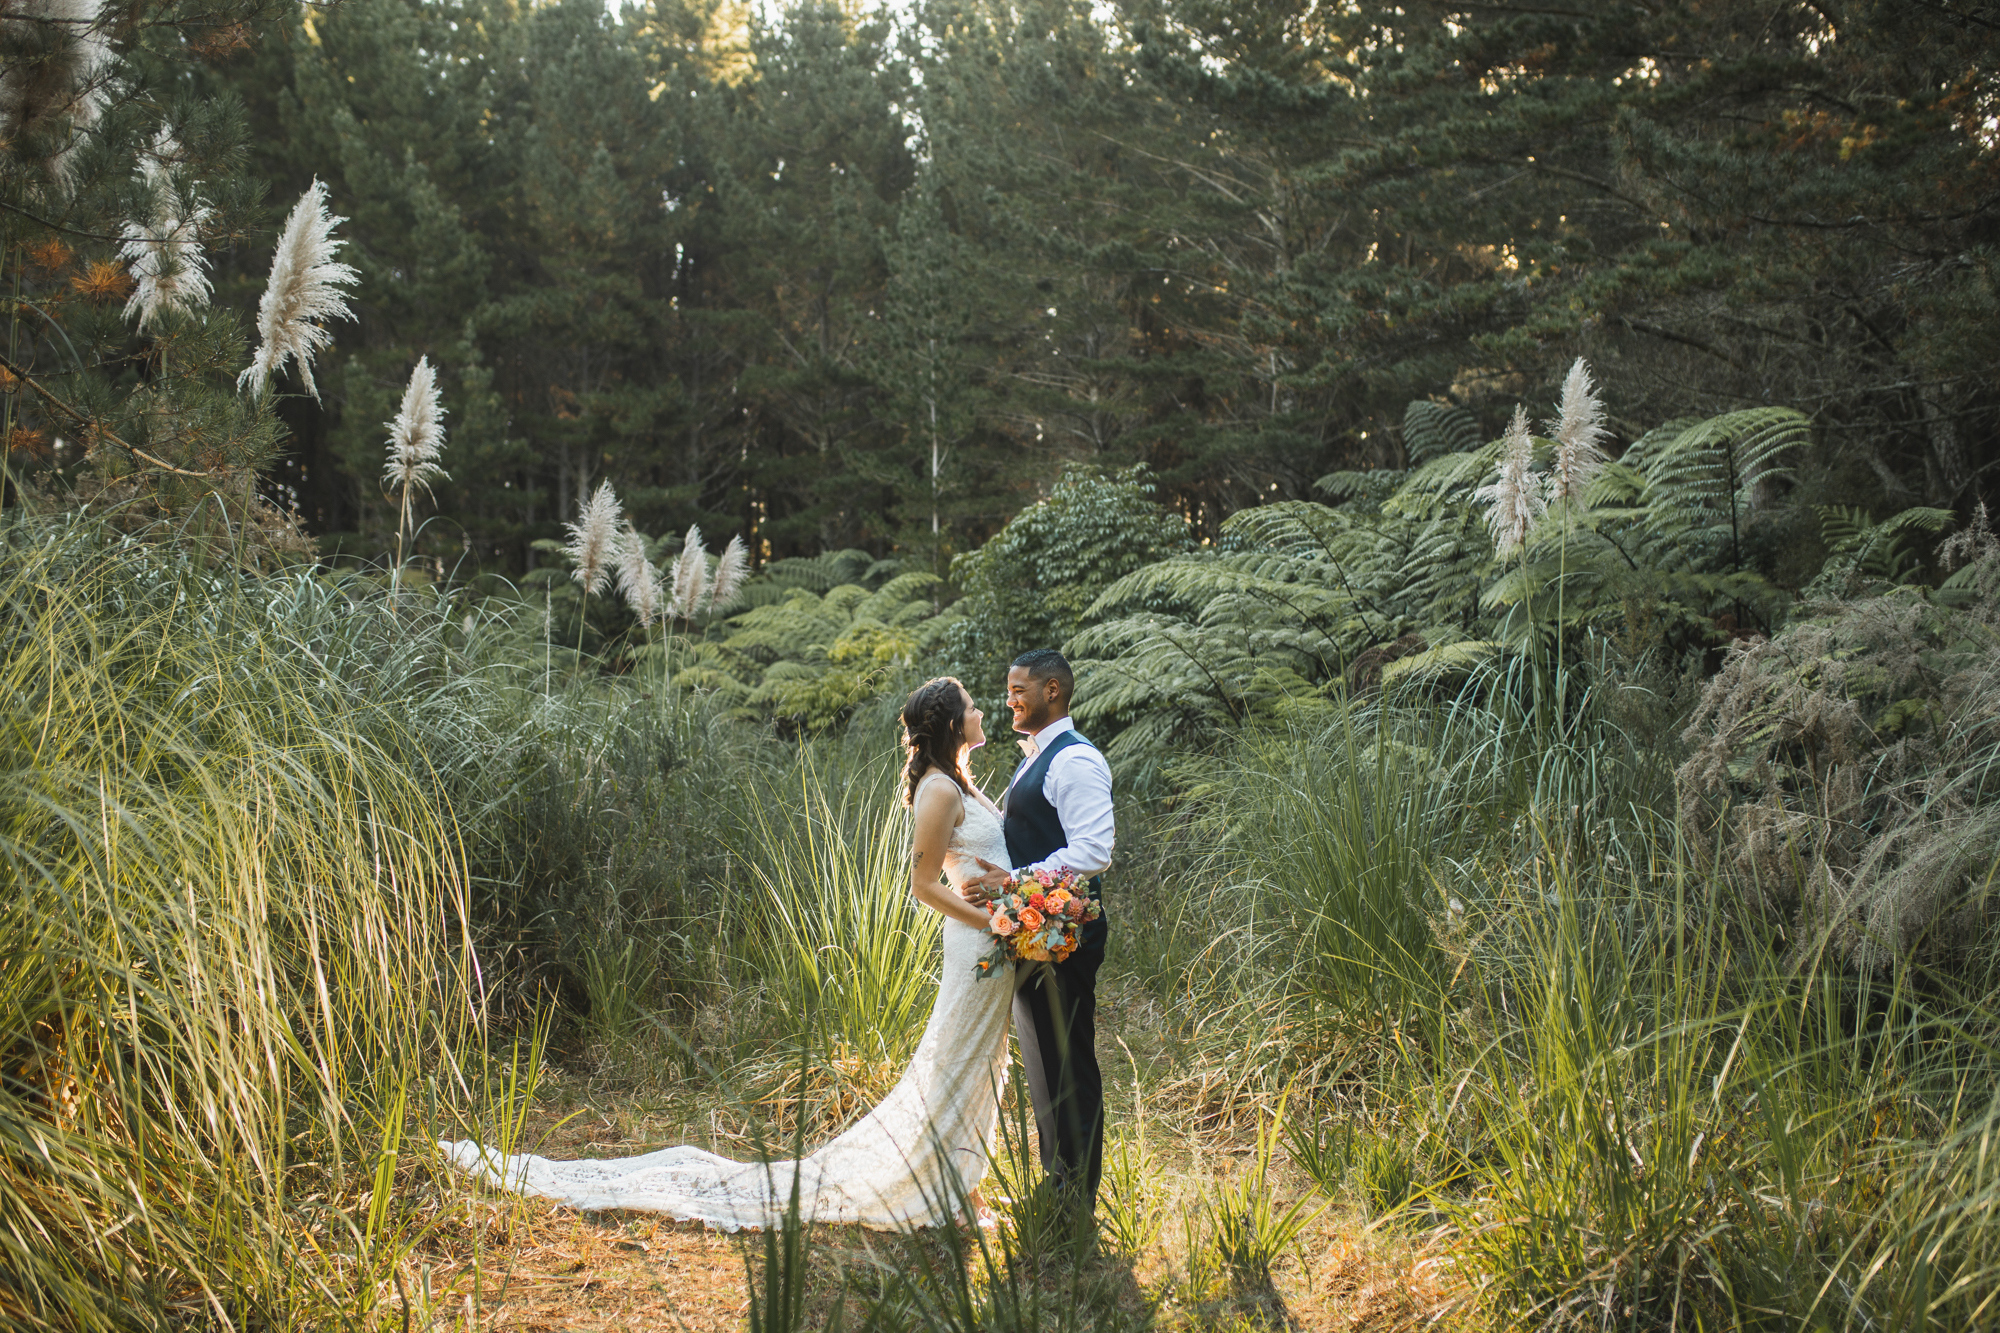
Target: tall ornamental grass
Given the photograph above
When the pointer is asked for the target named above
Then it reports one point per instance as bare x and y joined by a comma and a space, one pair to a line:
1621, 1107
233, 938
834, 931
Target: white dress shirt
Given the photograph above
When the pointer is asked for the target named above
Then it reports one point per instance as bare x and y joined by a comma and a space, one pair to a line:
1078, 785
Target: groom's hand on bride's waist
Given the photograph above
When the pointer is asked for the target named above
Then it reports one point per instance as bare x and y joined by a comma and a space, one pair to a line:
986, 886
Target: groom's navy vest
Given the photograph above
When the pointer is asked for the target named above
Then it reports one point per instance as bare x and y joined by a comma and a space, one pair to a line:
1033, 829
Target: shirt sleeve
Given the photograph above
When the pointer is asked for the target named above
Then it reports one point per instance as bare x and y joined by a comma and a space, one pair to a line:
1078, 785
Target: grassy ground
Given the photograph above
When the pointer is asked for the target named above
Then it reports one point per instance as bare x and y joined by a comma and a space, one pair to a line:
526, 1264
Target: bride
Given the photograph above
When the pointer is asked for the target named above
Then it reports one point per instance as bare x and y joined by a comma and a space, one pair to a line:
924, 1147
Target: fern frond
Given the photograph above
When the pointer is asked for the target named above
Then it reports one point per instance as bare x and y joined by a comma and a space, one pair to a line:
1299, 526
1433, 664
1432, 430
1443, 479
1722, 458
1879, 550
826, 571
1367, 488
1195, 581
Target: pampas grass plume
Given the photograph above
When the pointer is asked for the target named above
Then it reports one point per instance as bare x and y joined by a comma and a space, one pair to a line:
730, 572
303, 291
1515, 493
168, 268
1579, 433
62, 69
592, 539
637, 578
416, 436
690, 576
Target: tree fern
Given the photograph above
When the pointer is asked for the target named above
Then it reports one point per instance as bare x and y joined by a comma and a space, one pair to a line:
1434, 430
1883, 550
1703, 478
808, 660
1297, 591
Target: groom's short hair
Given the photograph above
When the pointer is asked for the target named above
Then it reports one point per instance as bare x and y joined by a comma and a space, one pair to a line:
1048, 664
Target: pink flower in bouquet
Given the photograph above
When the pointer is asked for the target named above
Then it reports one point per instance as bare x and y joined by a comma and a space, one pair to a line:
1045, 877
1058, 898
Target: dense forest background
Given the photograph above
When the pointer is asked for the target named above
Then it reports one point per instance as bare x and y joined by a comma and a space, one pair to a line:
855, 278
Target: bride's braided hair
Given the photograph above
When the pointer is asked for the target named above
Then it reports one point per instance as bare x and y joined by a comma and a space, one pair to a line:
934, 729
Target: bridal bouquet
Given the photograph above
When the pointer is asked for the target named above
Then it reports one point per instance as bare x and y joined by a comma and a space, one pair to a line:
1038, 919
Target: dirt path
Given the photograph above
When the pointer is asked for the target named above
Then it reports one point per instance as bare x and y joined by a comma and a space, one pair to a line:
505, 1263
564, 1270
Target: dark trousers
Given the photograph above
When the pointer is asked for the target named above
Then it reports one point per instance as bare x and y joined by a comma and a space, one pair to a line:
1055, 1017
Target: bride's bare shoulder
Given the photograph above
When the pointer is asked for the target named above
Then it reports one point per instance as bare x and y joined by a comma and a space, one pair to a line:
937, 791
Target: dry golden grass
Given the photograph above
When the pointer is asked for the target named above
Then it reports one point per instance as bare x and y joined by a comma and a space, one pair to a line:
503, 1263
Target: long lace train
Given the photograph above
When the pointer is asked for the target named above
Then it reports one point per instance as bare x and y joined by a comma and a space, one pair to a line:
907, 1163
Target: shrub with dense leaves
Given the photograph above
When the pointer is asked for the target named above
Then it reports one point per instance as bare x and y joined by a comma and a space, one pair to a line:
1843, 776
1031, 584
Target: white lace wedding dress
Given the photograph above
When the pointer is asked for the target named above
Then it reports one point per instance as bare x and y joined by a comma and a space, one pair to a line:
907, 1163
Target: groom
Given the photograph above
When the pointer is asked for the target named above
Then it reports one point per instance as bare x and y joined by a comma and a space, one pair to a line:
1058, 816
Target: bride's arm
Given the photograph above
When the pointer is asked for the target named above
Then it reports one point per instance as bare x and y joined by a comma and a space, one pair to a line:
937, 813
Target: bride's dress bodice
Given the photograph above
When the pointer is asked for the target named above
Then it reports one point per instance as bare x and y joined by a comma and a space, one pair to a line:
908, 1162
978, 835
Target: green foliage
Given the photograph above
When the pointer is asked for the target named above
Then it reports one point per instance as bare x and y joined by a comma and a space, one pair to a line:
1133, 1213
1611, 1097
1840, 775
1860, 548
810, 660
1245, 1224
1399, 584
131, 405
1433, 429
1230, 246
1353, 878
1029, 586
836, 933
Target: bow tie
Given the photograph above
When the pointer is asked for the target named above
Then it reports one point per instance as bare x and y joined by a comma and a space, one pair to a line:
1028, 748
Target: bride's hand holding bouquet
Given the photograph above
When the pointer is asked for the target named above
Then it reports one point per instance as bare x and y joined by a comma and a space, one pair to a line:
1038, 918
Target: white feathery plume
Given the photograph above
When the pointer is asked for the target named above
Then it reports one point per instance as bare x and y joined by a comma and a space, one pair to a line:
592, 538
1578, 434
1515, 493
730, 572
637, 578
164, 249
690, 576
416, 436
304, 289
71, 79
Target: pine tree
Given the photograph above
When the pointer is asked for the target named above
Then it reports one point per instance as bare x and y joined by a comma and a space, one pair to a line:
919, 354
121, 192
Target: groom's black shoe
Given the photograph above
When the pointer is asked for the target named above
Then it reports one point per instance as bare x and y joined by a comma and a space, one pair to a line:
1055, 1017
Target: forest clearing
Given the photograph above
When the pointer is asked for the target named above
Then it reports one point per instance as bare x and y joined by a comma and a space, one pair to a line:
482, 480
